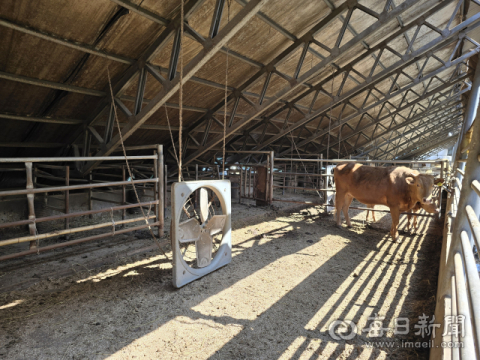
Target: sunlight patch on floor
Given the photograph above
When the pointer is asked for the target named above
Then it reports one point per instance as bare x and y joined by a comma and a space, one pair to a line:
381, 271
308, 349
188, 338
251, 290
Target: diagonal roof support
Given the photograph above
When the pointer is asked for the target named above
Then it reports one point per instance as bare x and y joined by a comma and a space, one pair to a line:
427, 129
325, 109
294, 84
211, 47
121, 84
447, 38
423, 97
438, 141
448, 104
451, 115
441, 131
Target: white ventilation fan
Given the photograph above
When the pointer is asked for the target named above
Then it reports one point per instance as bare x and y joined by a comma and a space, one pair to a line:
202, 226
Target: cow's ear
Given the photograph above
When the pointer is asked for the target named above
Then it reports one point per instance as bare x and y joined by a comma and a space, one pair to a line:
411, 179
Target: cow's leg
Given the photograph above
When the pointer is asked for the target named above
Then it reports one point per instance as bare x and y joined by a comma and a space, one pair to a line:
409, 217
366, 219
395, 213
415, 223
339, 201
346, 205
373, 216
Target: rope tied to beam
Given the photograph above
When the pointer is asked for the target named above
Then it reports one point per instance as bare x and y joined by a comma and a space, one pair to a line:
180, 101
229, 3
330, 118
154, 238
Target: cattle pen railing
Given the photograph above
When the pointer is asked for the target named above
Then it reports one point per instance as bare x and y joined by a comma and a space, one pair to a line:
458, 294
109, 178
315, 175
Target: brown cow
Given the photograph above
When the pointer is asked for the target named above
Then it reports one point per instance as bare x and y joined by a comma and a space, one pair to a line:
399, 188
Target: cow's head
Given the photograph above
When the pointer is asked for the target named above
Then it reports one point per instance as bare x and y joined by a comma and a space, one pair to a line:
421, 190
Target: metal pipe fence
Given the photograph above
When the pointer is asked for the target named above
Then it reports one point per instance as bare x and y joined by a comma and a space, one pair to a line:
314, 176
458, 293
57, 184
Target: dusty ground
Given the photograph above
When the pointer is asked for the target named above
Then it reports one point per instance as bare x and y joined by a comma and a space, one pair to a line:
293, 273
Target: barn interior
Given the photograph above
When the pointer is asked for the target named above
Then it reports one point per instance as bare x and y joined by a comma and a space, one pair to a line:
107, 105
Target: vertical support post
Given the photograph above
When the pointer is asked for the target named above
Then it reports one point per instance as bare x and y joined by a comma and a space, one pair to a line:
250, 182
67, 198
305, 171
31, 205
284, 179
195, 199
89, 199
245, 183
156, 188
320, 173
124, 193
442, 163
267, 178
295, 183
254, 189
218, 172
240, 185
165, 183
161, 192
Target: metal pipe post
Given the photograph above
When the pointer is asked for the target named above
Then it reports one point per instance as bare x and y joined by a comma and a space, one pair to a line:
165, 186
67, 198
161, 185
241, 186
89, 200
31, 205
124, 193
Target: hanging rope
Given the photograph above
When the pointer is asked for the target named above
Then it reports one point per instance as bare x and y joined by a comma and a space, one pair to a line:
304, 167
340, 131
330, 119
180, 116
171, 136
128, 166
229, 2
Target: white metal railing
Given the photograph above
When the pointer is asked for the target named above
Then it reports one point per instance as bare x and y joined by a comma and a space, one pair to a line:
458, 293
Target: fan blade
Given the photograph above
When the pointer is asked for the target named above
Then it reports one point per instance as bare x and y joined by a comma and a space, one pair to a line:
204, 250
216, 224
189, 231
203, 204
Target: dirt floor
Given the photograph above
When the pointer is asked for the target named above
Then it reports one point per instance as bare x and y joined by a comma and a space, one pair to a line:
293, 273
